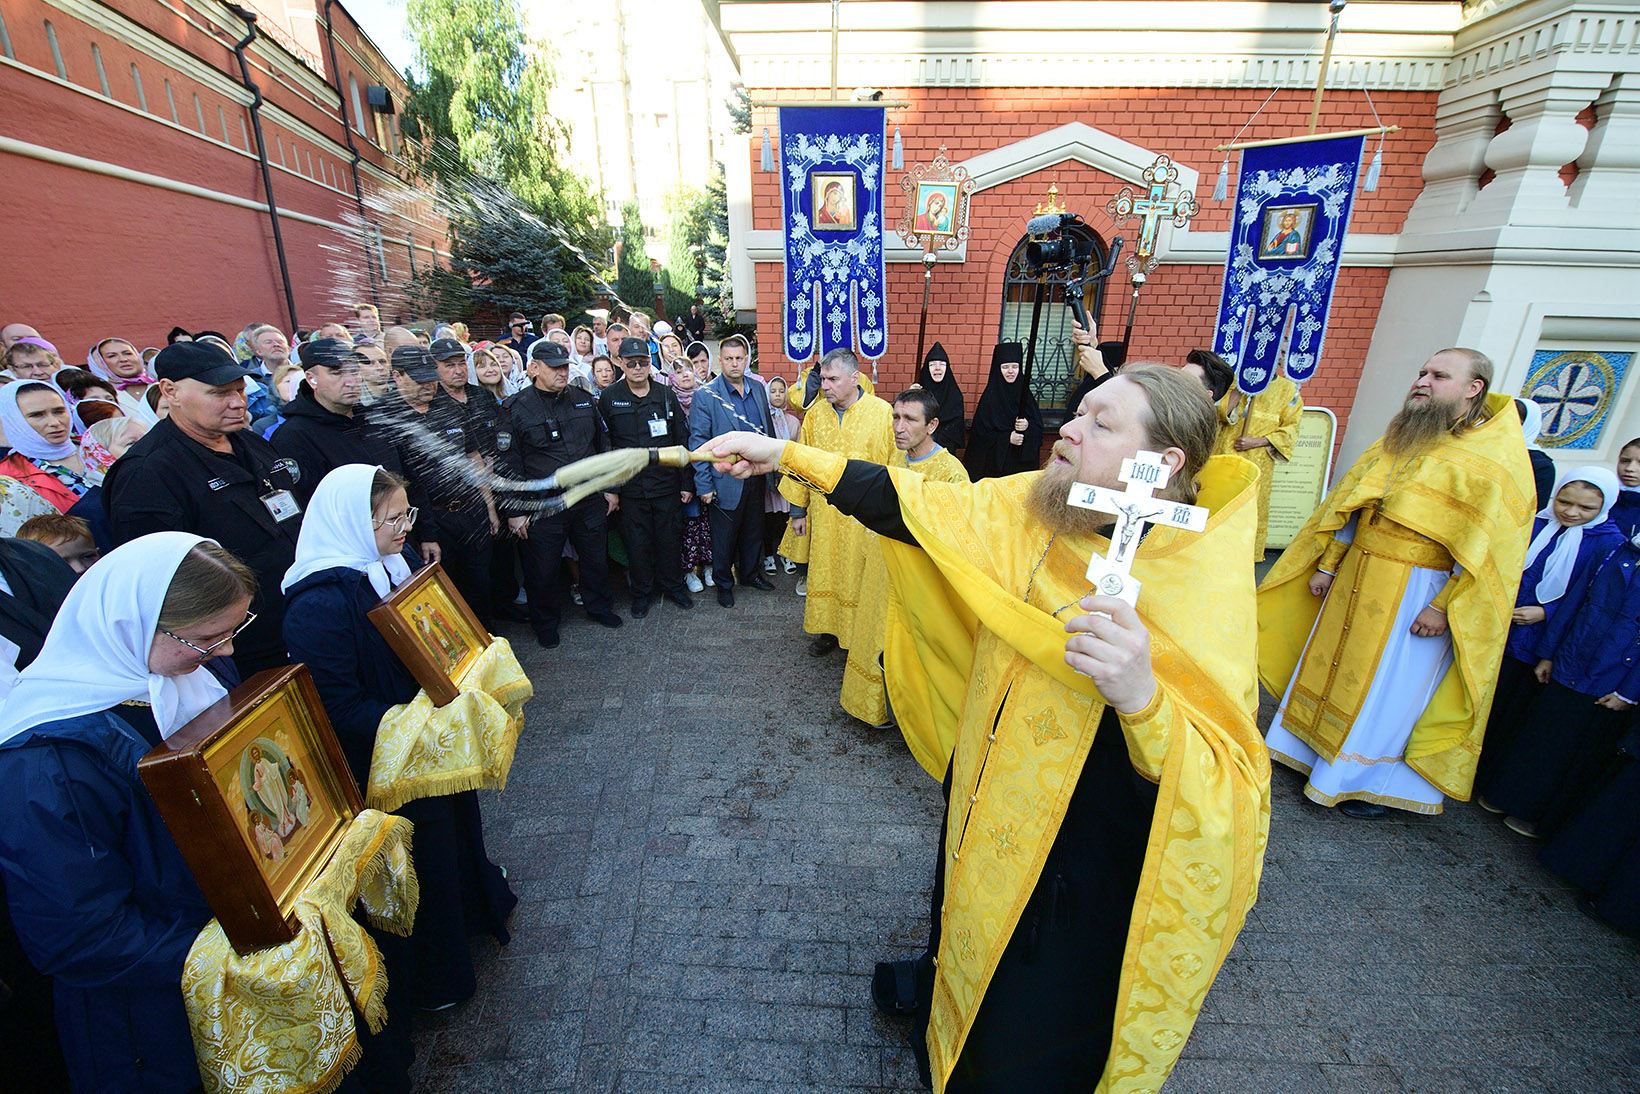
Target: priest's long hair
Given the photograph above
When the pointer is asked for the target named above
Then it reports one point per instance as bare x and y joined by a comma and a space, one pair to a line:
1480, 368
1180, 417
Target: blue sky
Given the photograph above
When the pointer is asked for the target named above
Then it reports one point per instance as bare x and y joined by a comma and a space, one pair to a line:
383, 20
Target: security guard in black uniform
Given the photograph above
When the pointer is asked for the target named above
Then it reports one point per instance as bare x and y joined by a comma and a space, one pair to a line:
201, 471
548, 425
442, 465
642, 413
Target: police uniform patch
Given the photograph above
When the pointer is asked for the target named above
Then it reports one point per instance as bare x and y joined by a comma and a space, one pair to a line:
290, 467
503, 440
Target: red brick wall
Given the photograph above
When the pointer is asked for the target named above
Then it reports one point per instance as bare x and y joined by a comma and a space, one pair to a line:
106, 255
1180, 302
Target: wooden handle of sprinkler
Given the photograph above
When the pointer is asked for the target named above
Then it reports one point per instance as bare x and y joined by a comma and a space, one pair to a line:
679, 456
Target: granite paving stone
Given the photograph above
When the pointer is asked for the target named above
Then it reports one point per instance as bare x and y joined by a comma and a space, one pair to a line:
711, 855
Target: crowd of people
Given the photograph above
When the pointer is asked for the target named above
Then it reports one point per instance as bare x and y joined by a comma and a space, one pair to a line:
174, 519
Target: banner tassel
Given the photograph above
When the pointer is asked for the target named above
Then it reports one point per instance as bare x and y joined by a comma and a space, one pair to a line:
768, 152
1370, 184
898, 162
1221, 188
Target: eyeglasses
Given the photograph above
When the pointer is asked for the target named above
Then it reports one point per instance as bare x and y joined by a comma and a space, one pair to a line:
403, 524
207, 651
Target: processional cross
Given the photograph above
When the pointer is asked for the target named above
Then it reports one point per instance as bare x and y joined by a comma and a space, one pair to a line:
1112, 574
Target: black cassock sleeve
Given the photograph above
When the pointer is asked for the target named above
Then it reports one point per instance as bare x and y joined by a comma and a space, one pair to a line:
866, 493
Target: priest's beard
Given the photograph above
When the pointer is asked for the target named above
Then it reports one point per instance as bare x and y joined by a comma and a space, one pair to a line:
1419, 423
1049, 500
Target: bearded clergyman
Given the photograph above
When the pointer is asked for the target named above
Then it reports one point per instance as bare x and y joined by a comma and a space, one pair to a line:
1107, 791
1383, 624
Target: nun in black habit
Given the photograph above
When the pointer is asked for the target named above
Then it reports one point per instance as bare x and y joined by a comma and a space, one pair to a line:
1006, 437
943, 386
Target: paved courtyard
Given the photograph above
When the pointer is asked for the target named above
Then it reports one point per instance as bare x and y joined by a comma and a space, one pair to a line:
711, 856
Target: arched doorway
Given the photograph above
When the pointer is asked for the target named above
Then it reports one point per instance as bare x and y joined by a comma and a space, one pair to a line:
1055, 363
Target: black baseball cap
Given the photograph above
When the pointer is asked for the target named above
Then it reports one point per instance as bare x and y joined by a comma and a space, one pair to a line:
210, 365
415, 363
552, 354
327, 353
634, 347
446, 347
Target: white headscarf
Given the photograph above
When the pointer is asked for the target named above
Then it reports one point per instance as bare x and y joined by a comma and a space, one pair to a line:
1532, 424
1558, 570
336, 532
96, 654
24, 437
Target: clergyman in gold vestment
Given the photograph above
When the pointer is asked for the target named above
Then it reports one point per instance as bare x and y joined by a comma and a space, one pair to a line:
916, 417
1109, 793
856, 426
1383, 624
1261, 428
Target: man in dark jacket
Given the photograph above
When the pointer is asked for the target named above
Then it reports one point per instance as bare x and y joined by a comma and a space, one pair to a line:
33, 583
551, 424
201, 471
442, 464
322, 428
644, 414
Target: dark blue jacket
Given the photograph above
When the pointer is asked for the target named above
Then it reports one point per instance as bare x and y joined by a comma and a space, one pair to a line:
1594, 640
328, 628
1626, 512
102, 901
1599, 541
711, 413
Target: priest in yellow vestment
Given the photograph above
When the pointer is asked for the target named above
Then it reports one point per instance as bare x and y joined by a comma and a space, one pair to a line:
1383, 624
855, 426
1260, 429
916, 417
1108, 791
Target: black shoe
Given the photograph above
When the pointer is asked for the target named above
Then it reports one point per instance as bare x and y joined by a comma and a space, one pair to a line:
1361, 810
605, 619
726, 597
758, 581
548, 639
823, 645
513, 613
640, 607
681, 599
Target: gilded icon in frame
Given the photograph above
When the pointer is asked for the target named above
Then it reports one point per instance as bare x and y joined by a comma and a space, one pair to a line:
257, 794
432, 630
936, 207
1285, 233
833, 194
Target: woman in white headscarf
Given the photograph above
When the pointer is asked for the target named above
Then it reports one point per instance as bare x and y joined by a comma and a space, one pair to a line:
100, 898
117, 361
351, 553
1543, 468
43, 455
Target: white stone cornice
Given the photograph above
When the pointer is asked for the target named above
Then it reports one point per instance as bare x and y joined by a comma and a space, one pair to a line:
1535, 245
1597, 37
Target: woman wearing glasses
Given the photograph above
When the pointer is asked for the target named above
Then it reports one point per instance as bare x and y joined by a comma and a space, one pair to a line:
99, 895
351, 553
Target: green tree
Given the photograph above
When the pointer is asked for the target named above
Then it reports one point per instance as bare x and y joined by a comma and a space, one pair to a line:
686, 237
634, 282
740, 109
479, 126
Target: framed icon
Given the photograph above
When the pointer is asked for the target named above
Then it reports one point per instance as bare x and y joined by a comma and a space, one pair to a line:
834, 196
433, 631
936, 208
257, 795
1284, 235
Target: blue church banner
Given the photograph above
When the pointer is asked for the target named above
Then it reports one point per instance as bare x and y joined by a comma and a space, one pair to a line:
831, 161
1292, 209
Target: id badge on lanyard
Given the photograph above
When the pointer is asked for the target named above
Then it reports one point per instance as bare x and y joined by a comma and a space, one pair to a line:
657, 427
282, 504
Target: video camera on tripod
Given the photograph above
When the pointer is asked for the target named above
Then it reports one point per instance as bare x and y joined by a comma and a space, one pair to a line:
1064, 256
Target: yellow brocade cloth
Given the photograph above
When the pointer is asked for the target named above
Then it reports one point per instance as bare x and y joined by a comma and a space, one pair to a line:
1467, 499
863, 694
424, 751
282, 1020
967, 651
1274, 414
837, 544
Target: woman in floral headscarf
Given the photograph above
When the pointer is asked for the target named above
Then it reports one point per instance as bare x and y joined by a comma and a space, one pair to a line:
697, 531
118, 361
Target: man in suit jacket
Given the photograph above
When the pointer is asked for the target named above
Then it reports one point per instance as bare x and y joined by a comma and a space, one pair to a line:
734, 508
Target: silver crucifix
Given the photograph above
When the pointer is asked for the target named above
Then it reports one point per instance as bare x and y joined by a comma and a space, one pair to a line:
1112, 574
